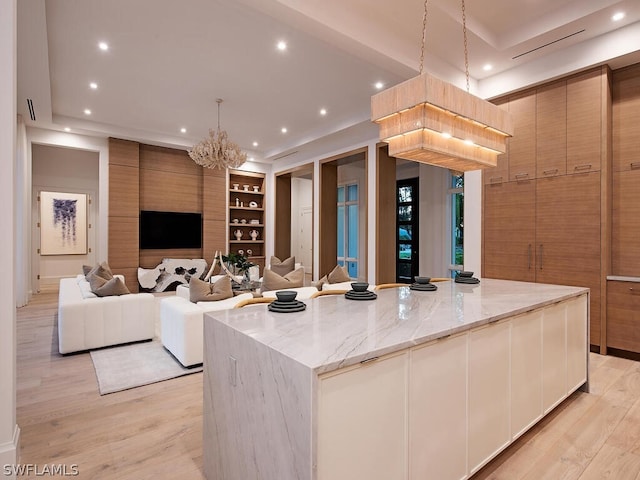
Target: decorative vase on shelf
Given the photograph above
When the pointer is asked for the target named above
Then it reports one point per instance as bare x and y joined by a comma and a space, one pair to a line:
238, 234
254, 234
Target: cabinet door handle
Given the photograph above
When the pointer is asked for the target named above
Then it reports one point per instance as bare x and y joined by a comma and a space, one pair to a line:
550, 172
520, 176
495, 180
541, 254
529, 255
634, 165
586, 166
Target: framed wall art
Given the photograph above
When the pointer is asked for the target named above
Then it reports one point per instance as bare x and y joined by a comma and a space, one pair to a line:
63, 223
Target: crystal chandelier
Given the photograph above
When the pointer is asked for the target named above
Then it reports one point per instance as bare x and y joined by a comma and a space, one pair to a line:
217, 151
428, 120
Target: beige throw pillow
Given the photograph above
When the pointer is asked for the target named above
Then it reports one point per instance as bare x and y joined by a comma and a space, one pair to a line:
201, 291
100, 269
321, 282
282, 267
338, 274
273, 281
108, 288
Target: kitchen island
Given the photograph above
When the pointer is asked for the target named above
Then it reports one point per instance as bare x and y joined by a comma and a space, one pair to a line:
410, 385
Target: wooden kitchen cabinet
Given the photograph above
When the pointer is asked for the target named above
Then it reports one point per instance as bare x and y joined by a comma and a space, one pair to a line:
551, 130
623, 315
509, 231
522, 146
584, 121
625, 223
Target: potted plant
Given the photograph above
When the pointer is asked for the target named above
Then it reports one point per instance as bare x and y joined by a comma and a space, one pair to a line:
239, 265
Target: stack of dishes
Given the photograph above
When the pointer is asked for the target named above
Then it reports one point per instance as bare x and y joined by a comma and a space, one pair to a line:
286, 303
360, 292
466, 277
422, 284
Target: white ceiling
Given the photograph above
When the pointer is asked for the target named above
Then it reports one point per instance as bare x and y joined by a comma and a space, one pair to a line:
168, 61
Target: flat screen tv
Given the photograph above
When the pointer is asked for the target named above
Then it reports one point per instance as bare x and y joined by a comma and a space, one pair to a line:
170, 230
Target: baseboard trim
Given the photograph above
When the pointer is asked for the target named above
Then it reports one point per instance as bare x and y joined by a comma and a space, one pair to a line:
10, 453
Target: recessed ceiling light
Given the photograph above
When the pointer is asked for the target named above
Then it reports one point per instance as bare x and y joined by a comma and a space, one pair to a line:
283, 129
87, 111
323, 111
93, 86
379, 85
104, 46
618, 16
67, 129
255, 144
282, 45
487, 67
183, 130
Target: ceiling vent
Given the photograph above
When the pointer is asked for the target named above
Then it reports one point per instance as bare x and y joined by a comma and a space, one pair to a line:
32, 110
285, 155
547, 44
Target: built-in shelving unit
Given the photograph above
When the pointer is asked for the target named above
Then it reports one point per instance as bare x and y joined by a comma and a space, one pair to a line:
246, 215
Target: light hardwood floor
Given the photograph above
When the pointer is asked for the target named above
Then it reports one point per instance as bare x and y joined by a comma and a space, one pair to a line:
155, 431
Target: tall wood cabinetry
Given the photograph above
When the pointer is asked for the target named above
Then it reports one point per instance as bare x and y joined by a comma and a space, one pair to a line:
623, 300
543, 203
247, 215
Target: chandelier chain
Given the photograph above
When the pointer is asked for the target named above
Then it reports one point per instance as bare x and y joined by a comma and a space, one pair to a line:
424, 36
466, 50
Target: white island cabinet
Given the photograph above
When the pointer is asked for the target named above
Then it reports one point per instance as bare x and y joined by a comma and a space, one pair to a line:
412, 385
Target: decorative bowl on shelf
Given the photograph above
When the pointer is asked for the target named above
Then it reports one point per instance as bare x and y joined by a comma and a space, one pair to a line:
253, 204
236, 186
245, 188
256, 188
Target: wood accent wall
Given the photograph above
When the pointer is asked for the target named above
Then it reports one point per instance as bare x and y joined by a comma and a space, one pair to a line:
147, 177
282, 225
386, 213
328, 217
124, 209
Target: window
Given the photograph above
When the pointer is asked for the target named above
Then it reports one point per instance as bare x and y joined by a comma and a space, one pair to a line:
456, 196
348, 227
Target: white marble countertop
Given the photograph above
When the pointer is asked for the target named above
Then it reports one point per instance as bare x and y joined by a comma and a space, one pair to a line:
334, 332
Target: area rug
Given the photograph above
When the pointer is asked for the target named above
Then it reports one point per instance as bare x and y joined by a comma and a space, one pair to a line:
130, 366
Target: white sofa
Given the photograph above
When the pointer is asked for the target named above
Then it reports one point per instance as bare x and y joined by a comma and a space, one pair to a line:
182, 325
86, 321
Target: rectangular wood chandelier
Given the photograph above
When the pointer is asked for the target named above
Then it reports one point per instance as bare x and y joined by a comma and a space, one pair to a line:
428, 120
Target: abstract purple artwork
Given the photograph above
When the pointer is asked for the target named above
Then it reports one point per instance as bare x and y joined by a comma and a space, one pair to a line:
63, 223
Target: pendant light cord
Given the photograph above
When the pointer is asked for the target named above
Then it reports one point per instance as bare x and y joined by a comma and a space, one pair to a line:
466, 51
424, 36
219, 101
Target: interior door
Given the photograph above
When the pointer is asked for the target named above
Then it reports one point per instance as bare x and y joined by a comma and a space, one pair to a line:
407, 216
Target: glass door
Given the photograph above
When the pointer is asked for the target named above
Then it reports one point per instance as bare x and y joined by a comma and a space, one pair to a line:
407, 230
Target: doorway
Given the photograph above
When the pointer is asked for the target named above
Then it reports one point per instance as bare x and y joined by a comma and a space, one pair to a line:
407, 230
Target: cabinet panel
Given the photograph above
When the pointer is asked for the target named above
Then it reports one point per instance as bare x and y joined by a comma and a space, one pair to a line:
509, 231
522, 146
489, 403
362, 421
626, 118
584, 122
576, 342
526, 372
625, 224
551, 130
499, 173
438, 410
623, 315
568, 236
554, 356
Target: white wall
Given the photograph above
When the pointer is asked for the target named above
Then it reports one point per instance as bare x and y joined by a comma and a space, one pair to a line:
301, 200
9, 431
58, 169
473, 222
